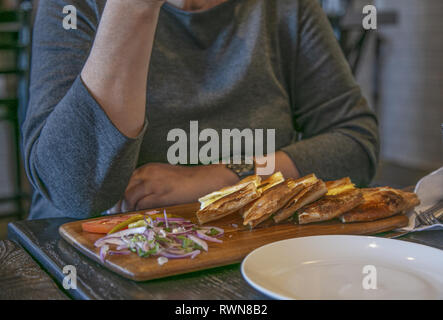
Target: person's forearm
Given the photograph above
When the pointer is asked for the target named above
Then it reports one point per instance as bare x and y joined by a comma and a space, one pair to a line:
281, 162
285, 165
116, 70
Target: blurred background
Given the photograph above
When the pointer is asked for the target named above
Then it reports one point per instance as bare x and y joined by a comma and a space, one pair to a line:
399, 67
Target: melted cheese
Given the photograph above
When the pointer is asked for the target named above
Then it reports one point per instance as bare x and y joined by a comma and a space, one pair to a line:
340, 189
212, 197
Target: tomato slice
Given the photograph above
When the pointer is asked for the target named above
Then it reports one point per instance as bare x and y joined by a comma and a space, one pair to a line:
104, 225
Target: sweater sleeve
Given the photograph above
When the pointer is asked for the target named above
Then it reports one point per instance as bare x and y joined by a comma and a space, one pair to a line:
74, 156
339, 131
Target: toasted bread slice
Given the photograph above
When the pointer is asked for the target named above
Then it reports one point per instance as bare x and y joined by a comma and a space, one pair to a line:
228, 204
330, 206
381, 203
214, 196
270, 202
225, 201
311, 192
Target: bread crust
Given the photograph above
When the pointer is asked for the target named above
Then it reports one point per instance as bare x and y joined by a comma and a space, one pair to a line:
270, 202
380, 203
228, 204
330, 206
307, 195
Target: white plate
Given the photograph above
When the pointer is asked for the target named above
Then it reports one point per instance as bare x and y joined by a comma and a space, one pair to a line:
333, 267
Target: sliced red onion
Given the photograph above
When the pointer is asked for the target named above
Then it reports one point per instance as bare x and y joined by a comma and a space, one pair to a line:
103, 250
123, 246
149, 234
180, 233
126, 240
202, 235
116, 241
166, 218
119, 234
122, 252
176, 250
102, 241
172, 246
127, 232
198, 241
168, 255
175, 245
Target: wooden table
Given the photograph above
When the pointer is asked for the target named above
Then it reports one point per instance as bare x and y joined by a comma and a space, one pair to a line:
41, 239
22, 278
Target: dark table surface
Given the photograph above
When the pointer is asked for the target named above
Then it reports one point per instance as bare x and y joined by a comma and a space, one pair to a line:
42, 240
22, 278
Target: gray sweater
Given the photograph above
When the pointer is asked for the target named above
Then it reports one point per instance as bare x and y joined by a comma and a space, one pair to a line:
271, 64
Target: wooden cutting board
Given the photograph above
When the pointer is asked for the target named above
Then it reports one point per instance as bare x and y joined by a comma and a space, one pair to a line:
238, 242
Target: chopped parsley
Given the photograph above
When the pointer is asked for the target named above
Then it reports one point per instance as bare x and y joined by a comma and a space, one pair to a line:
212, 232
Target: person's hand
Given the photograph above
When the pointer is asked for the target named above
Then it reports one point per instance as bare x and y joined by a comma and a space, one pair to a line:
157, 184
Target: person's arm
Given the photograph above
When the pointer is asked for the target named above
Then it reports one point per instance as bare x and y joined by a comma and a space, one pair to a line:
117, 67
80, 148
340, 133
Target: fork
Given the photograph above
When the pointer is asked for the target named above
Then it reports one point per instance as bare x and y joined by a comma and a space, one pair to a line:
431, 216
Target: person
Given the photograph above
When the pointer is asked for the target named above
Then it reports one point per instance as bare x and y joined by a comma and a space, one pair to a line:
104, 96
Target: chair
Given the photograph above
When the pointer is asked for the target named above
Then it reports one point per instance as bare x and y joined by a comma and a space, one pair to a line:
15, 36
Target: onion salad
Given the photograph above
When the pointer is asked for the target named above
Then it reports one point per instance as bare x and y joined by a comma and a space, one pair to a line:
161, 237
